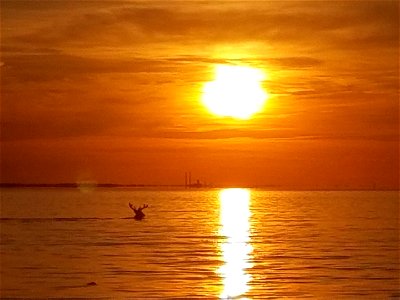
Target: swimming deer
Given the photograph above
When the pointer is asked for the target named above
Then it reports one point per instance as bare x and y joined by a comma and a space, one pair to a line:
139, 215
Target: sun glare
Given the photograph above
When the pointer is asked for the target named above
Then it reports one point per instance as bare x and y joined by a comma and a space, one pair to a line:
236, 92
236, 250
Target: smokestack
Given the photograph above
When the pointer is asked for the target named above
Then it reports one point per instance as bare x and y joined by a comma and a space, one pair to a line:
186, 180
190, 178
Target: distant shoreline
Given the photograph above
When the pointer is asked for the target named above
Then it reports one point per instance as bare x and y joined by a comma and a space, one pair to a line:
79, 185
177, 186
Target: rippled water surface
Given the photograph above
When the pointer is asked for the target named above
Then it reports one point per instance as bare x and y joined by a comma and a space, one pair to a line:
213, 244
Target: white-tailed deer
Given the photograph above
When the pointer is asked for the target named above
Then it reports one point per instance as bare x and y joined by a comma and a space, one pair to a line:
138, 211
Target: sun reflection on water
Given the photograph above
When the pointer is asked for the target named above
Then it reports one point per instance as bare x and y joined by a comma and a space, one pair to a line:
236, 249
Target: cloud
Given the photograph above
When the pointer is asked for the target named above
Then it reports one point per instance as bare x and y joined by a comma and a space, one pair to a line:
300, 62
50, 65
42, 67
351, 24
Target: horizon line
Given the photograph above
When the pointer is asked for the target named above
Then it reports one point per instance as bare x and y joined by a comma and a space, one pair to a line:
183, 186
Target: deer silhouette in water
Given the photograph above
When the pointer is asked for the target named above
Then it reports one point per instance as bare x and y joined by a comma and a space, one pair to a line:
139, 215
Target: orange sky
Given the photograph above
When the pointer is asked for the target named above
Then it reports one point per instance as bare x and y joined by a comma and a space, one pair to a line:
110, 91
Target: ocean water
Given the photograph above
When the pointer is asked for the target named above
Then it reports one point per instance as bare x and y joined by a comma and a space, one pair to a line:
208, 244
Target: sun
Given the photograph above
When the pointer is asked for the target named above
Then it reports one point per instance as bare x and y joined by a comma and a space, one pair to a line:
235, 92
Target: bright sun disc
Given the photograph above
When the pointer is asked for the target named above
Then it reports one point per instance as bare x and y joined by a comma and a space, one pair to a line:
236, 92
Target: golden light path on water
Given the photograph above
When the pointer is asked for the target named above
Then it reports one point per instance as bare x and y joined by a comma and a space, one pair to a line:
236, 250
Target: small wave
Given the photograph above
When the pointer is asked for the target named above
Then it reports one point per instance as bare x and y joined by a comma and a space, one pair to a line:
41, 220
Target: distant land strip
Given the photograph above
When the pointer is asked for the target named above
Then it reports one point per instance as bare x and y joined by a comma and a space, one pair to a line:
92, 185
78, 185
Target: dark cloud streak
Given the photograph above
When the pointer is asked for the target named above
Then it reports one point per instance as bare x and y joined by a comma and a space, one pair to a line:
374, 22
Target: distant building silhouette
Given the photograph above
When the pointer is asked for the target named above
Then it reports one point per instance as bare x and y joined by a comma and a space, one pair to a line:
189, 184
